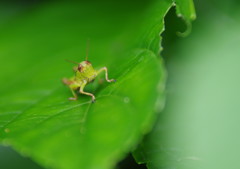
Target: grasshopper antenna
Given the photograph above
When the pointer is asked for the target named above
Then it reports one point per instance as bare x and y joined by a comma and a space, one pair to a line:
71, 61
87, 50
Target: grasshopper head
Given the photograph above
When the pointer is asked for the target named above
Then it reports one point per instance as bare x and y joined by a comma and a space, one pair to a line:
84, 66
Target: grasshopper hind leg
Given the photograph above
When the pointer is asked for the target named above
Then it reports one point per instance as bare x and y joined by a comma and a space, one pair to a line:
72, 86
67, 81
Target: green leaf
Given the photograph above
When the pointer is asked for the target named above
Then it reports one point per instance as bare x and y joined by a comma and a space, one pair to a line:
36, 117
148, 150
186, 10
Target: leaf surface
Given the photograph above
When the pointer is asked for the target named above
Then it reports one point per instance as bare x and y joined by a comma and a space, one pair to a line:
36, 117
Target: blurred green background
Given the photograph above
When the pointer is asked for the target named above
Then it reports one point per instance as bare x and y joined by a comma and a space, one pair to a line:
199, 127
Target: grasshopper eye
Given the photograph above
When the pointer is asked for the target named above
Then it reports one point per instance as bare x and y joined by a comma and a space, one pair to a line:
80, 68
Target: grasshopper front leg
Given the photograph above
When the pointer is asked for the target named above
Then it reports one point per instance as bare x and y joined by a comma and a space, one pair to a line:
86, 93
74, 95
106, 74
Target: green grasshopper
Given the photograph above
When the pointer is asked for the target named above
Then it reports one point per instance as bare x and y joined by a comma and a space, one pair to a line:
84, 74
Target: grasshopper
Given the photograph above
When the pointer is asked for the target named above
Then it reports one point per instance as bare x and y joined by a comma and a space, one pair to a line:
84, 74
